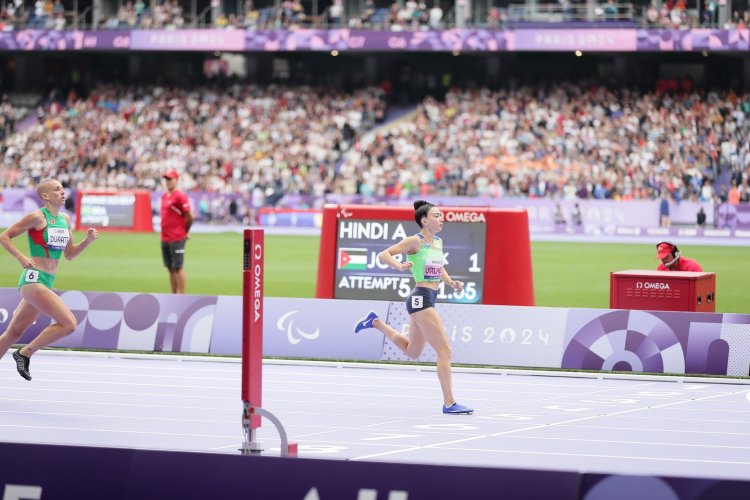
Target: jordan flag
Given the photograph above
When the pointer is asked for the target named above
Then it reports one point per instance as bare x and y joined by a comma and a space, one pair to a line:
353, 258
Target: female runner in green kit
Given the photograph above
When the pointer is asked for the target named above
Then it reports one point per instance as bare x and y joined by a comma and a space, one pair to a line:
424, 253
49, 239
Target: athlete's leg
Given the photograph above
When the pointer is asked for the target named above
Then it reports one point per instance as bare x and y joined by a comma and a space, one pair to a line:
47, 302
432, 329
23, 317
412, 345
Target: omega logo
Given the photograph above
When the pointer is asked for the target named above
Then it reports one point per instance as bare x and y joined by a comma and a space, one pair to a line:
652, 286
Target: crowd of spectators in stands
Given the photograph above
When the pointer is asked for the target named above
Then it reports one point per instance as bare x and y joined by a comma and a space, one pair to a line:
35, 14
404, 15
564, 141
567, 141
239, 139
7, 117
167, 14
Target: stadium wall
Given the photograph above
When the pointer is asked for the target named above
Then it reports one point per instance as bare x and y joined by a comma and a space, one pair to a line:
541, 337
123, 474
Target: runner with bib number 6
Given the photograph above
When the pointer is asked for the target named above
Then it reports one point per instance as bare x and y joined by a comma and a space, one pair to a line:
49, 236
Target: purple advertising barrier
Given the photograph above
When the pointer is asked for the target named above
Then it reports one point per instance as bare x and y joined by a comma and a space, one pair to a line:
65, 40
291, 219
733, 216
160, 474
301, 328
490, 335
544, 337
605, 487
124, 474
656, 341
65, 472
690, 40
127, 321
178, 40
589, 40
20, 200
25, 200
590, 339
37, 471
345, 39
596, 216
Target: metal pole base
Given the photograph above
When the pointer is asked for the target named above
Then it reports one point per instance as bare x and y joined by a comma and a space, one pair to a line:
250, 446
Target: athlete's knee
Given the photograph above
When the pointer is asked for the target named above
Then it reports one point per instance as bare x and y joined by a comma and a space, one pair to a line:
414, 352
68, 324
444, 351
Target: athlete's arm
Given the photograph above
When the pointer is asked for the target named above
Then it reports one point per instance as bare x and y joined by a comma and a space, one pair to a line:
410, 244
73, 250
445, 278
33, 220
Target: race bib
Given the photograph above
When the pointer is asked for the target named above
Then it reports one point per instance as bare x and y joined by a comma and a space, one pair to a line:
57, 237
32, 276
433, 267
416, 302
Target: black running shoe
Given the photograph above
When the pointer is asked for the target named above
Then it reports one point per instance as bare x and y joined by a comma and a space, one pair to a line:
22, 364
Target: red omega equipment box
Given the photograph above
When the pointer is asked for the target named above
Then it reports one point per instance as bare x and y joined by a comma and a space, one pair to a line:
663, 291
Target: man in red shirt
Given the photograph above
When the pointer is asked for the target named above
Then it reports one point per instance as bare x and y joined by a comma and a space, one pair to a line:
176, 219
671, 260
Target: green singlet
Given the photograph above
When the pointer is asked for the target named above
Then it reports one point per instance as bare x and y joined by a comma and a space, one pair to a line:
428, 261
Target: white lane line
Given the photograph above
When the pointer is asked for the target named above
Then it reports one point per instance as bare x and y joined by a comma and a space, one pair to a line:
535, 427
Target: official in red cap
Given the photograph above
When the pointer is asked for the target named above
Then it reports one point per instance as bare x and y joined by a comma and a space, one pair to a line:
671, 260
176, 219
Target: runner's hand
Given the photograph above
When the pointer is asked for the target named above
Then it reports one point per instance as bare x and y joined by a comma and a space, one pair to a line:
26, 262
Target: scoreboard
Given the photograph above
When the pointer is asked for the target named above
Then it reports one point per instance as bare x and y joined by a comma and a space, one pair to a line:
107, 209
114, 210
360, 275
494, 269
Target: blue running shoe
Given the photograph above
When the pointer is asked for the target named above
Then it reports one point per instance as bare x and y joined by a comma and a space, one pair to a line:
366, 322
457, 409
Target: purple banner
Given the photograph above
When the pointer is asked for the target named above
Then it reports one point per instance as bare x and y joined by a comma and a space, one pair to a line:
123, 474
589, 339
65, 40
610, 487
300, 328
62, 472
464, 40
545, 337
590, 40
733, 216
21, 200
325, 40
657, 342
127, 321
175, 40
692, 40
544, 216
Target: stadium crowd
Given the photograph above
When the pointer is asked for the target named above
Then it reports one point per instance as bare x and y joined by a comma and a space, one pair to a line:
558, 141
240, 138
396, 16
567, 141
